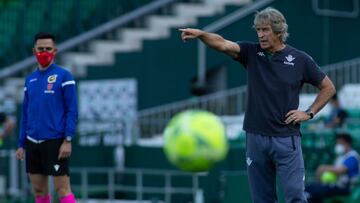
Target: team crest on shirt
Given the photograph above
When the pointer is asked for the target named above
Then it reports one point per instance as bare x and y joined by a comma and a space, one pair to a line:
289, 60
52, 78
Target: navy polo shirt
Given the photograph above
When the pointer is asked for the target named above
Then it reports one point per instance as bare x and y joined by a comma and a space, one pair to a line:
274, 85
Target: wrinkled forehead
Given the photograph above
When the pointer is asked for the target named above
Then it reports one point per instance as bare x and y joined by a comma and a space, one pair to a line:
263, 25
44, 43
262, 20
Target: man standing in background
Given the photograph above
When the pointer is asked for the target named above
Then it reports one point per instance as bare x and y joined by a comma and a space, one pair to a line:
48, 123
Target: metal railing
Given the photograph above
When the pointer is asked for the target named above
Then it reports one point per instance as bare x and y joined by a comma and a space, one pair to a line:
230, 102
354, 13
84, 187
11, 175
106, 132
111, 186
341, 73
152, 121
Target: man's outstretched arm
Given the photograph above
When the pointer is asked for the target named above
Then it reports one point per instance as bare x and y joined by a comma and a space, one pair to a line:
212, 40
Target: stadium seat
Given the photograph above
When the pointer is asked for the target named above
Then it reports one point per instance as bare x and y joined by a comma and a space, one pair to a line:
14, 19
353, 112
349, 97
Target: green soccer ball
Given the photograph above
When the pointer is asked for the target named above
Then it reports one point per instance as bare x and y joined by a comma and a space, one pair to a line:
328, 177
194, 140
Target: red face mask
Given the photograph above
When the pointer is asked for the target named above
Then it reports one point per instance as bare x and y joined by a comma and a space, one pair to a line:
44, 58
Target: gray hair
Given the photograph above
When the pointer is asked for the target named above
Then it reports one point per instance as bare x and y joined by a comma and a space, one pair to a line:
275, 19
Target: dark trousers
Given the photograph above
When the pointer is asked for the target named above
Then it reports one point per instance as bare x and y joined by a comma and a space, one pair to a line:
268, 157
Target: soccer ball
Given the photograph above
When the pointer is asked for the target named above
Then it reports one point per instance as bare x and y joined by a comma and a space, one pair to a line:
194, 140
328, 177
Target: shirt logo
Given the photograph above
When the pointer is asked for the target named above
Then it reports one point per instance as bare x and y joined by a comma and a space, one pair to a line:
248, 161
56, 167
52, 78
49, 89
260, 53
33, 80
289, 58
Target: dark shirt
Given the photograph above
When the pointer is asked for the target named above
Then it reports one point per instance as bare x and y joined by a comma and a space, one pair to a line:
274, 84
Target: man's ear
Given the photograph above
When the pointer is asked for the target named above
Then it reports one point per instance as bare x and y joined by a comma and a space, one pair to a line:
33, 50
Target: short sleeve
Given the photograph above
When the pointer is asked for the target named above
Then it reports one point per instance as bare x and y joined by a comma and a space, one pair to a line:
243, 57
351, 164
312, 72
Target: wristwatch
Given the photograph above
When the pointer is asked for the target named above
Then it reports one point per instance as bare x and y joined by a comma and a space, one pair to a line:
68, 138
310, 113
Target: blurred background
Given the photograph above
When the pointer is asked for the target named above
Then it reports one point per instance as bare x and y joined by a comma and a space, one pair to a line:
134, 73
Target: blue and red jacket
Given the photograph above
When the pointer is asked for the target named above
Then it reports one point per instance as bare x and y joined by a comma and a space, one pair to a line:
49, 109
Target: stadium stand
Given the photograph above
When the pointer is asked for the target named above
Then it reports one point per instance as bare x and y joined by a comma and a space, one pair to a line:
21, 20
149, 50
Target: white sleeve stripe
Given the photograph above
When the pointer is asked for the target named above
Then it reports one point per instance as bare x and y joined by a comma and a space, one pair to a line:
25, 89
71, 82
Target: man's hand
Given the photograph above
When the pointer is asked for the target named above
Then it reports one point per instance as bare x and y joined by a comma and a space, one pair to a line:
65, 150
321, 169
20, 153
296, 116
190, 33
